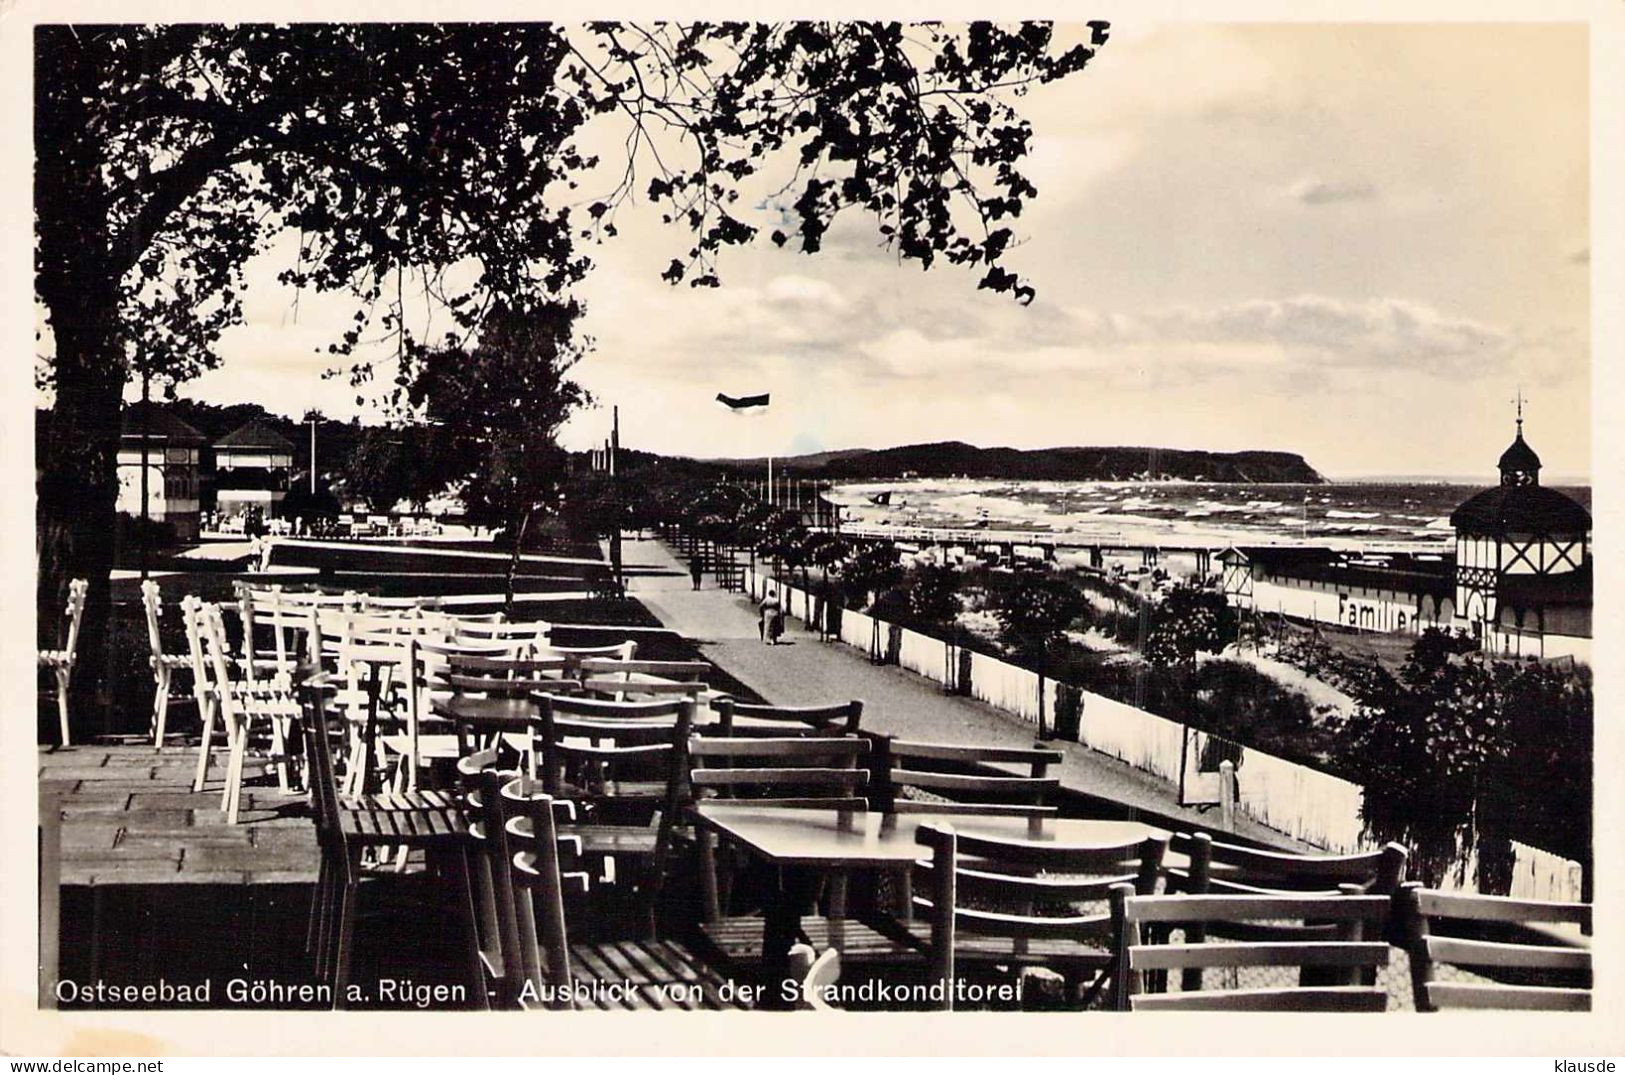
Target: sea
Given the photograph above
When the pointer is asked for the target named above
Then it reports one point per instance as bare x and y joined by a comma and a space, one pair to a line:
1339, 514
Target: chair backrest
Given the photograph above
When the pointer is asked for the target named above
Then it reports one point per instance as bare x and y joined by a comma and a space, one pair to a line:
778, 721
970, 776
1034, 884
202, 667
620, 651
1517, 958
541, 864
801, 771
1222, 868
814, 976
501, 676
524, 638
1352, 955
588, 757
152, 604
78, 592
617, 688
211, 623
692, 671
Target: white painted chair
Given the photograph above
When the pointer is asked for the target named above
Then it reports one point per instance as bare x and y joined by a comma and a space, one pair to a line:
203, 687
164, 665
248, 707
60, 661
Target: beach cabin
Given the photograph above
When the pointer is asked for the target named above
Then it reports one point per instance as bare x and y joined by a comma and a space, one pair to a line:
252, 464
169, 449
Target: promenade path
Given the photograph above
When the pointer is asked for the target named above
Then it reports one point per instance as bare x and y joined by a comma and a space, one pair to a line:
808, 671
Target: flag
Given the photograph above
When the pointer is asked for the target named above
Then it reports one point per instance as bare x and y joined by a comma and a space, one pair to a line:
742, 403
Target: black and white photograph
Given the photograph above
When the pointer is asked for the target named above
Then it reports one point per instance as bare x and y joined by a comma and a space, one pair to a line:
1077, 519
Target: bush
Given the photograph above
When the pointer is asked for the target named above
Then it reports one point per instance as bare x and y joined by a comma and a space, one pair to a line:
159, 534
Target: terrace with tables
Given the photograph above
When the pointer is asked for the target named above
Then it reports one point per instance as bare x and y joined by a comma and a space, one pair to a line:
396, 801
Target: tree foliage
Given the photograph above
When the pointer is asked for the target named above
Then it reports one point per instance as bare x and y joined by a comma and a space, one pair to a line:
1189, 620
933, 594
1459, 746
497, 409
440, 164
1035, 610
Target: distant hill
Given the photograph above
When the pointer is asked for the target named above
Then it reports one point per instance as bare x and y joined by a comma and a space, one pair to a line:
949, 459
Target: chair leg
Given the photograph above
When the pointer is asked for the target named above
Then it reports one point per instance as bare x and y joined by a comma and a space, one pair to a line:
63, 680
160, 706
529, 945
234, 776
346, 944
476, 966
205, 747
326, 934
711, 902
279, 750
318, 895
486, 906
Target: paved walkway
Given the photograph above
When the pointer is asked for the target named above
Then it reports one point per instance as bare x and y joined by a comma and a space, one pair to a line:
809, 671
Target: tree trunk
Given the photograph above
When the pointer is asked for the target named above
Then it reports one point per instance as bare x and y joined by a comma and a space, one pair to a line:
515, 559
77, 463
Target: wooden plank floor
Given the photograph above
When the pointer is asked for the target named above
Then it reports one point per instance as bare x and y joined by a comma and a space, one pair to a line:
130, 817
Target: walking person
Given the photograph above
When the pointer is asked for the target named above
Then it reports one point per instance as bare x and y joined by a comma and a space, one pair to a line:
771, 623
695, 570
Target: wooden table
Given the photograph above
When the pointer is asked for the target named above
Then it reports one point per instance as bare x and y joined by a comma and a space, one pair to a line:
805, 843
488, 714
832, 839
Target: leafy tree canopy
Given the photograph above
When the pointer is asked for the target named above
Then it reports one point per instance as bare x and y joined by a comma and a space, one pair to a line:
1189, 620
1035, 610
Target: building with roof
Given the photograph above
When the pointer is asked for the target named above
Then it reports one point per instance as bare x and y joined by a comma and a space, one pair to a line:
1523, 563
1518, 577
1405, 593
251, 465
170, 451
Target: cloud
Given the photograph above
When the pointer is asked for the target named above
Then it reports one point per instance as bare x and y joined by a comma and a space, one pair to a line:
1329, 192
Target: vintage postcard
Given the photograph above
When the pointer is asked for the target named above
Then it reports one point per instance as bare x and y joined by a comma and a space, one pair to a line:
1068, 523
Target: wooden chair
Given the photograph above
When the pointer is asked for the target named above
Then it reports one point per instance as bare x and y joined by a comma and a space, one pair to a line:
347, 827
521, 638
814, 974
164, 665
622, 764
498, 676
663, 974
737, 719
204, 689
818, 772
478, 775
247, 707
1230, 869
1519, 960
1037, 887
1352, 954
60, 661
620, 651
614, 676
970, 777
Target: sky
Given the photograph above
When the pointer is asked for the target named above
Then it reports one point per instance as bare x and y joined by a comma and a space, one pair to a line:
1353, 242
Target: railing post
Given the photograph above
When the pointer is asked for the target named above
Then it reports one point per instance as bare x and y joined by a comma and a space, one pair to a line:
50, 890
1227, 795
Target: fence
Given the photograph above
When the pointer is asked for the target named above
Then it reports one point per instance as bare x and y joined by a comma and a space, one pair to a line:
1304, 803
1309, 805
